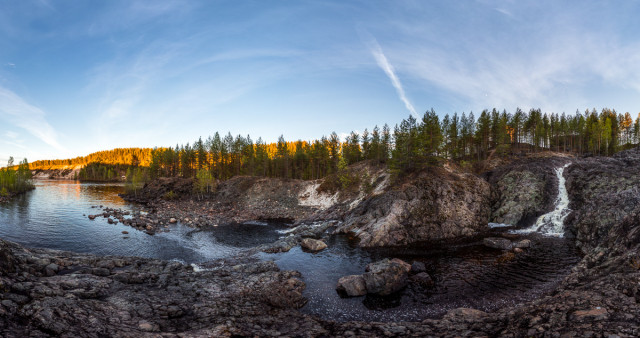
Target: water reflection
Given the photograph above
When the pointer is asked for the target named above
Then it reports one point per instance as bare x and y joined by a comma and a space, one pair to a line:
54, 216
466, 275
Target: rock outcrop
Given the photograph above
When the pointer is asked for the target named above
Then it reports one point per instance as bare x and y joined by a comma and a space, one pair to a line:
46, 292
381, 278
605, 197
523, 190
438, 203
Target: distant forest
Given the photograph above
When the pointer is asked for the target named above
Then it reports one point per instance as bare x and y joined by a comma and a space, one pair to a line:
412, 144
128, 156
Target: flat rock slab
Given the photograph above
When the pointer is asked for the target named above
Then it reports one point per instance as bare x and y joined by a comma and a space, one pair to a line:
525, 243
597, 313
497, 243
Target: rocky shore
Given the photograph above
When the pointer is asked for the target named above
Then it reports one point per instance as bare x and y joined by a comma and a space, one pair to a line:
47, 292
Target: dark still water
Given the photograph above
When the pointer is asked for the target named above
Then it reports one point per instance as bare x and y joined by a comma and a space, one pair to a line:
465, 274
51, 217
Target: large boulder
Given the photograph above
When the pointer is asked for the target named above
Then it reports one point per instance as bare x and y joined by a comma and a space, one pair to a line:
351, 286
386, 276
314, 245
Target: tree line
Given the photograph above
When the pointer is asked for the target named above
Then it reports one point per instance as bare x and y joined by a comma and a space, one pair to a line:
465, 138
118, 156
228, 156
101, 172
15, 179
412, 144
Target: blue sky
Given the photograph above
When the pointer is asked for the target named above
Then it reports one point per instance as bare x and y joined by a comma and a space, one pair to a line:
82, 76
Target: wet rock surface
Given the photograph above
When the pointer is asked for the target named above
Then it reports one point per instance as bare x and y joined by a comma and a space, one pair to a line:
523, 190
497, 243
47, 292
352, 286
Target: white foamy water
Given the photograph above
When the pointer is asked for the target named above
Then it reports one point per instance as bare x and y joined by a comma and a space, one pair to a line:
499, 225
552, 223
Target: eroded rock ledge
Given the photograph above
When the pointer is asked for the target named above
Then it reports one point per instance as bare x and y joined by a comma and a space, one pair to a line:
54, 293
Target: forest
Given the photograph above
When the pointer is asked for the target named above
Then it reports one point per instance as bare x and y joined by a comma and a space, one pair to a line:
15, 179
411, 145
127, 156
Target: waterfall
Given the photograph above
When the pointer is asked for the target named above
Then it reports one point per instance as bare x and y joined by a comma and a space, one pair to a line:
552, 223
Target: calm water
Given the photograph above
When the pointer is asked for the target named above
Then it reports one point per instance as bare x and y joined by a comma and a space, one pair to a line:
54, 216
466, 274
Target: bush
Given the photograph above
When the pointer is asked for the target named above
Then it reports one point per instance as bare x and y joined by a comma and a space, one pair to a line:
205, 183
170, 195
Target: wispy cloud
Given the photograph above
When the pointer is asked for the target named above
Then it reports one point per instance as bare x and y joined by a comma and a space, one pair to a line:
384, 64
558, 62
504, 11
10, 65
15, 144
11, 134
18, 112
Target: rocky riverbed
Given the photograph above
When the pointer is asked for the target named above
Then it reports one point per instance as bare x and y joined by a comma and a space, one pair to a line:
47, 292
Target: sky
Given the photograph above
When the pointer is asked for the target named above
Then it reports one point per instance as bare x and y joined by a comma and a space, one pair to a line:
82, 76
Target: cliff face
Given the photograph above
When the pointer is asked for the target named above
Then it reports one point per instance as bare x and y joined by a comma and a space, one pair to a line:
605, 197
523, 190
438, 203
57, 174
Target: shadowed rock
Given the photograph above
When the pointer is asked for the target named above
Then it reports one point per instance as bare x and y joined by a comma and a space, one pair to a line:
497, 243
386, 276
351, 286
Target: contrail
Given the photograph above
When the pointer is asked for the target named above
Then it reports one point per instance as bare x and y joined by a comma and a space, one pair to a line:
382, 61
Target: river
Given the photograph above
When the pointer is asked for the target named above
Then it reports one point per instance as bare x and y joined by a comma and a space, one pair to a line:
54, 216
466, 274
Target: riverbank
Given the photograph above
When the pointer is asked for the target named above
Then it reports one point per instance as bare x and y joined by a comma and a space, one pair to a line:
48, 292
11, 195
